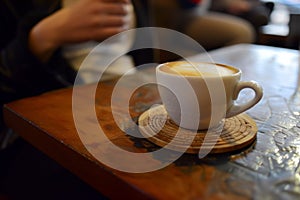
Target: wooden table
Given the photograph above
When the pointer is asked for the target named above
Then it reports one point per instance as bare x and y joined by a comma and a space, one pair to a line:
268, 168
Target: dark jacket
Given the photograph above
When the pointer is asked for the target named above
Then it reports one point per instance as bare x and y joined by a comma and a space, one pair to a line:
21, 73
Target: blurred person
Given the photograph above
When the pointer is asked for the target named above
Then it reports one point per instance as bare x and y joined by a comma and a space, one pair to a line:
254, 11
42, 42
193, 18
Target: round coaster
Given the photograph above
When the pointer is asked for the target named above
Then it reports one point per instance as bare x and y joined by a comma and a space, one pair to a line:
237, 132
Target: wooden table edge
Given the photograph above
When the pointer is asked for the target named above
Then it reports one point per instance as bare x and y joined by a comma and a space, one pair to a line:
108, 180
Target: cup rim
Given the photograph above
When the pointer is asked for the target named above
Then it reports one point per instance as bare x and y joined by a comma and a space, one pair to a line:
236, 70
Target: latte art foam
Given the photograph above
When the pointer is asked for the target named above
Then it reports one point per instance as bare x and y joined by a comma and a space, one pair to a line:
197, 69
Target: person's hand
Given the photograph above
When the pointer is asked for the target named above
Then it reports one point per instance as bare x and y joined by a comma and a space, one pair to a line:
83, 21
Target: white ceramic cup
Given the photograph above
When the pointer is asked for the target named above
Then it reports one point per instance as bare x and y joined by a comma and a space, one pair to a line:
201, 95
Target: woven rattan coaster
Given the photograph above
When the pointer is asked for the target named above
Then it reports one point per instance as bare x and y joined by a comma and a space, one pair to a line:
236, 133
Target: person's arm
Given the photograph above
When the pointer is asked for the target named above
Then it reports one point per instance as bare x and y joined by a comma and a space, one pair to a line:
22, 73
30, 58
83, 21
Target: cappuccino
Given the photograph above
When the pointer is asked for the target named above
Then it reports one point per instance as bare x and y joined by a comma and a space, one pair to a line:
197, 69
212, 90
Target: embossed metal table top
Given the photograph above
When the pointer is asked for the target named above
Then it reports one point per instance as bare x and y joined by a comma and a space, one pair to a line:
267, 169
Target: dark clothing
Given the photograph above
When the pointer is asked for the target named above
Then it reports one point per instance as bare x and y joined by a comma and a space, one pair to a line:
21, 73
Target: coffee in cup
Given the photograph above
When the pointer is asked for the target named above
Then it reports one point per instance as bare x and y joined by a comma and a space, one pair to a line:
200, 95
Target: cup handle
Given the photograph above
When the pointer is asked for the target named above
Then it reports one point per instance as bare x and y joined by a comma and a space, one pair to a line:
237, 109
